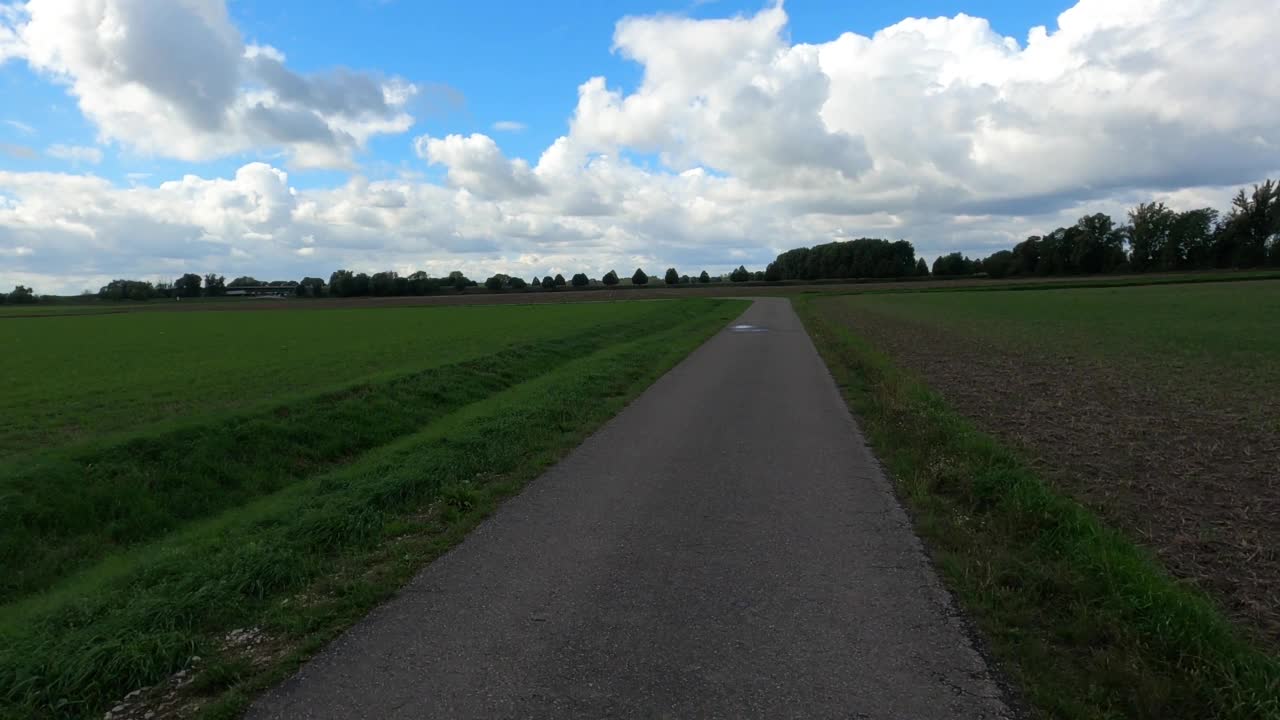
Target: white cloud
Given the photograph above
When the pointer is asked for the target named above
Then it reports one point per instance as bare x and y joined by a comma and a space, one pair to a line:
174, 78
508, 126
20, 126
939, 131
476, 164
75, 154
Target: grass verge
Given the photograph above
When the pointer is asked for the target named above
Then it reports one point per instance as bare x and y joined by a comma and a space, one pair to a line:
1087, 624
301, 564
69, 507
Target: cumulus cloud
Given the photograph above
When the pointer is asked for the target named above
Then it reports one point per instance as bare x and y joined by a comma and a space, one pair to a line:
939, 131
176, 79
476, 164
509, 126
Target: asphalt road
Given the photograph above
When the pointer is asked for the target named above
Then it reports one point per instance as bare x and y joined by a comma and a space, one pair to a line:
726, 547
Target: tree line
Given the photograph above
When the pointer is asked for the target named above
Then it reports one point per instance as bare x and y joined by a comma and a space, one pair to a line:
861, 258
1155, 239
21, 295
347, 283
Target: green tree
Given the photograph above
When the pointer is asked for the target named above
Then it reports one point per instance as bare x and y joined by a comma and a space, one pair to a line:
997, 265
922, 268
548, 283
459, 281
703, 277
672, 277
1252, 228
581, 280
559, 280
245, 281
953, 265
310, 287
517, 283
22, 295
1193, 233
215, 285
610, 278
497, 282
187, 286
740, 274
383, 284
1151, 242
639, 278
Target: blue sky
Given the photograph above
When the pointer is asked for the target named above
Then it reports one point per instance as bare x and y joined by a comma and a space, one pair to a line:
493, 61
146, 138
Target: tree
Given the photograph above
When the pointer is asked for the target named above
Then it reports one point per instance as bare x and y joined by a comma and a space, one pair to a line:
672, 277
215, 285
517, 283
127, 290
581, 280
1151, 243
548, 283
953, 265
1193, 234
610, 278
740, 275
639, 278
1251, 231
922, 268
864, 257
245, 281
704, 277
310, 287
1097, 245
360, 285
383, 284
559, 280
772, 273
497, 282
22, 295
187, 286
997, 265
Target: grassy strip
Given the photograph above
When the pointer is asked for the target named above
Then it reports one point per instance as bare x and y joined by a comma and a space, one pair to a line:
307, 561
1089, 625
73, 507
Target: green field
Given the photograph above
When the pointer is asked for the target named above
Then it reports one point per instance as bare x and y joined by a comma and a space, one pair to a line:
1094, 472
83, 378
1210, 328
170, 477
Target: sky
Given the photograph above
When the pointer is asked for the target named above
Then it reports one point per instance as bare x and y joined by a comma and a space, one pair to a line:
148, 138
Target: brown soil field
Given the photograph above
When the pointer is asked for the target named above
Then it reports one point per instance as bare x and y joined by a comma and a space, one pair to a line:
1196, 481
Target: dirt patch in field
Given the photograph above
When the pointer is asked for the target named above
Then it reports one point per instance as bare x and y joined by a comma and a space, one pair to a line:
1197, 482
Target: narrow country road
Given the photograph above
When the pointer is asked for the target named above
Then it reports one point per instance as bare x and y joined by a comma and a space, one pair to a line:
726, 547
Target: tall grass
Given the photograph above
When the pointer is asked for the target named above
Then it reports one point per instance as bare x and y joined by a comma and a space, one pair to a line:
309, 559
70, 507
1088, 624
